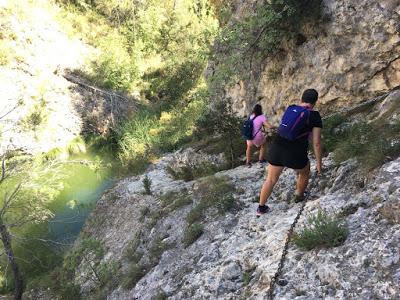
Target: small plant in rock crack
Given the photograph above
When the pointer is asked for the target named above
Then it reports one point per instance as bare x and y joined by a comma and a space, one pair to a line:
321, 230
192, 233
147, 185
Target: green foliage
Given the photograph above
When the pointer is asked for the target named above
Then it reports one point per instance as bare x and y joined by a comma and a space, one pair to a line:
221, 121
149, 133
331, 132
37, 116
156, 249
158, 47
262, 33
372, 143
175, 200
321, 230
213, 192
192, 233
87, 256
161, 296
147, 185
115, 68
137, 268
191, 172
247, 276
133, 275
131, 252
76, 146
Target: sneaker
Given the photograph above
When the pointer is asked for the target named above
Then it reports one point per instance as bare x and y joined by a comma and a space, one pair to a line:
297, 198
262, 210
248, 164
262, 161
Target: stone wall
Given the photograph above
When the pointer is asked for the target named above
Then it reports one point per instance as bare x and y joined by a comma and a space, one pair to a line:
351, 56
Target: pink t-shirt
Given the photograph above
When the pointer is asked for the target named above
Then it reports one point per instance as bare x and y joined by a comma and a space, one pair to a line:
257, 126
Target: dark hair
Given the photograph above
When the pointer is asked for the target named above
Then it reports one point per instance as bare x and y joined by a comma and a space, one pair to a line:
257, 110
309, 96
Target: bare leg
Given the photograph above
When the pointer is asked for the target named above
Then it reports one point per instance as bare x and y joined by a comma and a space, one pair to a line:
261, 156
248, 153
272, 178
302, 180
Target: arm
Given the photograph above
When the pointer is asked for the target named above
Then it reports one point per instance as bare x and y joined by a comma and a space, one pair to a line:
317, 144
269, 125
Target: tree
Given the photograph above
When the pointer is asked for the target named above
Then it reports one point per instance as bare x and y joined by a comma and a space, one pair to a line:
26, 187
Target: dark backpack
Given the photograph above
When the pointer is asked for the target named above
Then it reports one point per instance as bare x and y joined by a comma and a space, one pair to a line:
247, 128
293, 122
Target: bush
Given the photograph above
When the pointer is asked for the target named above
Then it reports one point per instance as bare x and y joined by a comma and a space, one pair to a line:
372, 143
214, 192
115, 68
191, 172
192, 233
174, 200
161, 296
225, 124
133, 275
331, 134
147, 185
321, 230
37, 116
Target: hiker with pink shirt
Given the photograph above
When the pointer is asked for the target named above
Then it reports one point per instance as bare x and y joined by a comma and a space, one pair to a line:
258, 140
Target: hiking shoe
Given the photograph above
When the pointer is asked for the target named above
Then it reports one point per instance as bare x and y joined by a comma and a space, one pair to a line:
262, 210
262, 161
248, 164
297, 198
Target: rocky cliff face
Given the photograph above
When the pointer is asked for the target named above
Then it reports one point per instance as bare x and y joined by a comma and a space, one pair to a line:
237, 254
352, 55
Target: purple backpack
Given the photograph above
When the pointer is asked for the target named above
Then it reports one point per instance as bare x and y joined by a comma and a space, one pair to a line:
293, 122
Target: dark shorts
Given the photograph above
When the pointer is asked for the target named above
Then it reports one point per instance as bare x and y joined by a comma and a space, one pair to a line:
289, 154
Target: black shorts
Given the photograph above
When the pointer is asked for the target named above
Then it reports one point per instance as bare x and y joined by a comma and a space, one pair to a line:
285, 153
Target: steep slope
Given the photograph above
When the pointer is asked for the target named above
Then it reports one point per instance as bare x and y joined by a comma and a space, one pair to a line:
145, 237
29, 83
40, 108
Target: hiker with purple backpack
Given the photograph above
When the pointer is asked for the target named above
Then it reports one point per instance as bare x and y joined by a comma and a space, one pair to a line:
289, 149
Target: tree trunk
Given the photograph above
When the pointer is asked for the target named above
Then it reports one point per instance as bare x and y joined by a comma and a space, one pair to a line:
6, 239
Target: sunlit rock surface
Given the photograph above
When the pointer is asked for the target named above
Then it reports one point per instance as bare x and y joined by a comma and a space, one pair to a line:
238, 253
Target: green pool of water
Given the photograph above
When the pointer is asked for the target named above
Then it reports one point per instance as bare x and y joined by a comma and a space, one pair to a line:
83, 186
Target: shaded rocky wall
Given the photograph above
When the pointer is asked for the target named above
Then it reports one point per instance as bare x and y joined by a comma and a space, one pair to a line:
352, 56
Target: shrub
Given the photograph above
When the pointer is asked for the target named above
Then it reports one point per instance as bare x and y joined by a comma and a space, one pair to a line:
372, 143
133, 275
147, 185
191, 172
212, 192
223, 122
321, 230
174, 200
115, 68
37, 116
192, 233
161, 296
157, 248
331, 135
